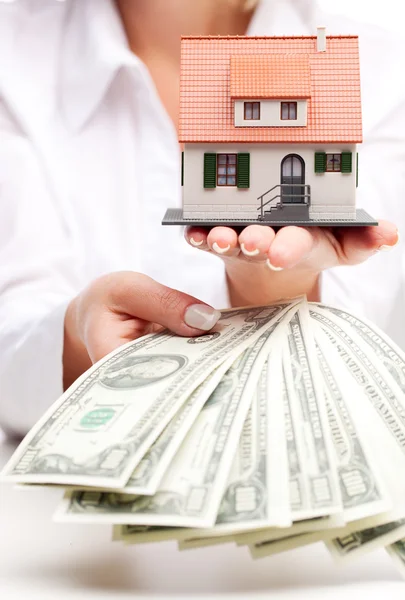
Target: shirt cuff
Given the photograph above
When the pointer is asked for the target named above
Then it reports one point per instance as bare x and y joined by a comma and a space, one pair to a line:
31, 376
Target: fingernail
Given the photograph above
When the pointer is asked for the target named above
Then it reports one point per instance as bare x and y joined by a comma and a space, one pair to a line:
194, 242
201, 316
254, 252
272, 267
220, 250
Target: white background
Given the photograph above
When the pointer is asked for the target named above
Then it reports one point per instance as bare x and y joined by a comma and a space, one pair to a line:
386, 13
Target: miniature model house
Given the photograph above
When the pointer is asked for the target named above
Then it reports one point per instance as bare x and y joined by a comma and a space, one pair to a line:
270, 127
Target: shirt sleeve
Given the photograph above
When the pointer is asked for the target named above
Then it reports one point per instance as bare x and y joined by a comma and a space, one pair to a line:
38, 277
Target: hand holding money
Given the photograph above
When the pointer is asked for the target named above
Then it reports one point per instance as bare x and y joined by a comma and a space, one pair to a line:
121, 307
281, 427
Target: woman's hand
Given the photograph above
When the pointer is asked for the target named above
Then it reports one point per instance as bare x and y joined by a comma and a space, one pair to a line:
263, 266
121, 307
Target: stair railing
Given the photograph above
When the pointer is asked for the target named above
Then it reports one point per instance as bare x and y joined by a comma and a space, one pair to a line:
306, 196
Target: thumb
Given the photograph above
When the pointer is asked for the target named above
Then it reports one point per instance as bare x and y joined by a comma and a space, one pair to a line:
142, 297
359, 244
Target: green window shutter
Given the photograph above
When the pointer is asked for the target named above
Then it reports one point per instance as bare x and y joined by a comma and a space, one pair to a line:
210, 170
357, 169
243, 170
320, 162
182, 168
346, 162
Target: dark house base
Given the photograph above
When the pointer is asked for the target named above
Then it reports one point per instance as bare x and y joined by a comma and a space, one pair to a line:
174, 216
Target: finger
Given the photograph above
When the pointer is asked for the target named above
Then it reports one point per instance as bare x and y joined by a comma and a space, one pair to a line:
147, 299
223, 241
357, 244
254, 242
115, 331
290, 246
130, 303
197, 237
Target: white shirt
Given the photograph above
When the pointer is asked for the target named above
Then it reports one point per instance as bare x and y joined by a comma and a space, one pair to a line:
89, 162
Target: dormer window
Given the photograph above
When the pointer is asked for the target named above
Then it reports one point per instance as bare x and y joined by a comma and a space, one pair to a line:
288, 111
251, 111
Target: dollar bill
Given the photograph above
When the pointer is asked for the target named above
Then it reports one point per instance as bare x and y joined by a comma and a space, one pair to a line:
362, 490
315, 499
148, 534
378, 409
312, 468
383, 348
397, 553
361, 485
100, 429
145, 480
314, 488
333, 523
357, 543
283, 544
254, 478
257, 490
203, 542
191, 491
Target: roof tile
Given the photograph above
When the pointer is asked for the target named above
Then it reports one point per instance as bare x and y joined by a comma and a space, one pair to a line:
270, 76
216, 69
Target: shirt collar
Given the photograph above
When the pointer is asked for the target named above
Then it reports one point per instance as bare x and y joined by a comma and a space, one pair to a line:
94, 49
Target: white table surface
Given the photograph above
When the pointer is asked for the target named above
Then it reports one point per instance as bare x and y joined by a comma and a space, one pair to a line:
43, 560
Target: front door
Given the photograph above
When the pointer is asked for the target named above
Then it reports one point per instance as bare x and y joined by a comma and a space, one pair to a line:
292, 176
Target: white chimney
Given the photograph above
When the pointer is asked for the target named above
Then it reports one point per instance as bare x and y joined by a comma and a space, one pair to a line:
321, 38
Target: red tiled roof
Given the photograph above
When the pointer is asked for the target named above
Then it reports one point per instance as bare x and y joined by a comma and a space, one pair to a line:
272, 76
206, 105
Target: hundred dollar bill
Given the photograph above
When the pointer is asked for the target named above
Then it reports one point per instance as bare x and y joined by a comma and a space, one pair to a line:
333, 523
384, 349
150, 471
276, 546
191, 491
257, 492
354, 544
148, 534
314, 488
247, 503
397, 553
257, 489
262, 536
361, 485
103, 425
362, 489
378, 408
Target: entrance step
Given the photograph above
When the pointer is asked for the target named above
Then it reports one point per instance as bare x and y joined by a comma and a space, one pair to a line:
288, 212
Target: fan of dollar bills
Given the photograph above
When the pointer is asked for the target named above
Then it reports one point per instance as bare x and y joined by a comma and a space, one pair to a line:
283, 426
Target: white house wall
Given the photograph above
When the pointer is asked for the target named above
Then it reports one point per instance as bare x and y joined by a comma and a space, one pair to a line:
333, 195
270, 114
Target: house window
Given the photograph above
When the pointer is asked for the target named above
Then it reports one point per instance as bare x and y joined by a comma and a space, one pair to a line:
288, 111
252, 111
334, 163
226, 169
